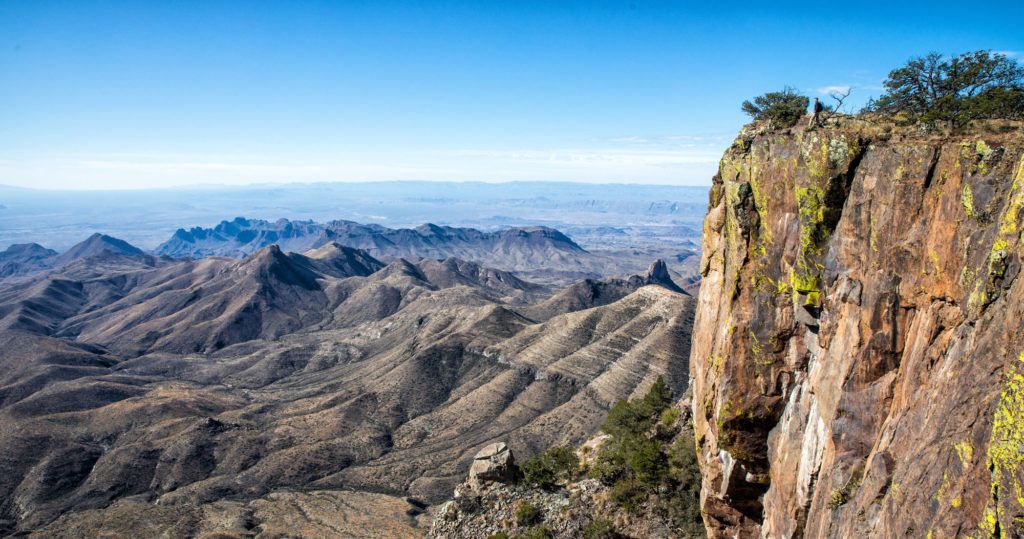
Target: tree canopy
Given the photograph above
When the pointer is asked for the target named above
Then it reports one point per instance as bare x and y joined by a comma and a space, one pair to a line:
955, 90
782, 109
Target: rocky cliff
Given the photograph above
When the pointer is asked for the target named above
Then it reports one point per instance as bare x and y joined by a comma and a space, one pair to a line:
857, 355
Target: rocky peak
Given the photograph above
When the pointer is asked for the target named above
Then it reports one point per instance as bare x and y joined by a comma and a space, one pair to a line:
341, 261
288, 269
658, 274
401, 268
98, 244
27, 250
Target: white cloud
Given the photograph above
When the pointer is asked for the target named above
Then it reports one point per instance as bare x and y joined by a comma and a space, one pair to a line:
834, 89
1011, 54
592, 157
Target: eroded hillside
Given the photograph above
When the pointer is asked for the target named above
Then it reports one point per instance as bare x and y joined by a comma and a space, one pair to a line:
298, 393
857, 356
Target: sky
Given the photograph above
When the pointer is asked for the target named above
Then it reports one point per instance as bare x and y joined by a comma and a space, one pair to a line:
138, 94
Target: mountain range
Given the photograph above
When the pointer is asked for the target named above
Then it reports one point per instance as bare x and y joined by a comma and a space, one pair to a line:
540, 254
146, 392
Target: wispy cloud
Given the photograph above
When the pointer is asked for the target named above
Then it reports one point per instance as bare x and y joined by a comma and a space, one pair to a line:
1011, 54
593, 157
668, 160
834, 89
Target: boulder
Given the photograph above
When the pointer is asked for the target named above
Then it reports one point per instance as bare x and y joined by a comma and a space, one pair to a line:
493, 463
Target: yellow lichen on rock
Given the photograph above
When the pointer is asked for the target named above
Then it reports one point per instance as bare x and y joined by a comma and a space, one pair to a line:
1006, 446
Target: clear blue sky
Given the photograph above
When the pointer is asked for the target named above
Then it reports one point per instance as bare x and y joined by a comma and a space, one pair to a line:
97, 94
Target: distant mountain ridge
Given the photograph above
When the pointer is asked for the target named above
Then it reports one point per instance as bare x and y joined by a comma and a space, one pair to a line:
26, 258
22, 257
542, 251
241, 237
539, 254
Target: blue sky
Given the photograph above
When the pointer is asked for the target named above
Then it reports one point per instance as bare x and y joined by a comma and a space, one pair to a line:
97, 94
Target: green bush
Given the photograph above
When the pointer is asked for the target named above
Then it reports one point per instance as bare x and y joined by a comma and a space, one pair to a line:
499, 535
634, 418
626, 419
631, 453
670, 416
638, 462
781, 109
682, 503
658, 397
599, 529
538, 532
956, 90
682, 459
628, 494
608, 467
645, 460
550, 467
527, 514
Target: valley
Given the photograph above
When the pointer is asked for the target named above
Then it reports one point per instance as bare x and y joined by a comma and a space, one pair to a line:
173, 395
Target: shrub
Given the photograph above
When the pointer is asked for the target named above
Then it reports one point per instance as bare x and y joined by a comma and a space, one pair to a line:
836, 498
628, 494
599, 529
499, 535
633, 418
682, 504
608, 467
658, 398
645, 460
554, 465
781, 109
670, 415
956, 90
626, 419
538, 532
527, 514
682, 460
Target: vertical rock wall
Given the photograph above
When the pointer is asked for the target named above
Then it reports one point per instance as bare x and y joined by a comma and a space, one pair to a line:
858, 356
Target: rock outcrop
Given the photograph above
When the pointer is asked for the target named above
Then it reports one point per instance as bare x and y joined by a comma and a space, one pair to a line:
857, 356
492, 463
504, 503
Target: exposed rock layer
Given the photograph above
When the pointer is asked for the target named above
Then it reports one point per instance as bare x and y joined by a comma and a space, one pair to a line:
857, 353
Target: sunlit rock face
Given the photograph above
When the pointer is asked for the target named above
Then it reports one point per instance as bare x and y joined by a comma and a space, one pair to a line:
857, 355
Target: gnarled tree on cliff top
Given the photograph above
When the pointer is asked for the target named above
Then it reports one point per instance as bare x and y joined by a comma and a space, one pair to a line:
781, 109
970, 86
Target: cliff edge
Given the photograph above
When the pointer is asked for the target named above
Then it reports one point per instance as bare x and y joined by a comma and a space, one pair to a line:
857, 355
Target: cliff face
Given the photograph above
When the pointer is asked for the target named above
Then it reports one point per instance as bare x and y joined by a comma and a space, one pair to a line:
857, 358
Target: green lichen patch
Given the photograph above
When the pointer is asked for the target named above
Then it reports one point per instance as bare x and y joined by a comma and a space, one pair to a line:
805, 278
978, 153
1006, 446
965, 452
967, 200
816, 158
1008, 222
757, 352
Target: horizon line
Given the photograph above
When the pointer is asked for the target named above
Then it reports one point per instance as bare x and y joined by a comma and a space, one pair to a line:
199, 186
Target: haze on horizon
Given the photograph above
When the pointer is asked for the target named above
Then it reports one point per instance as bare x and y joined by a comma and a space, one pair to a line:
131, 95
